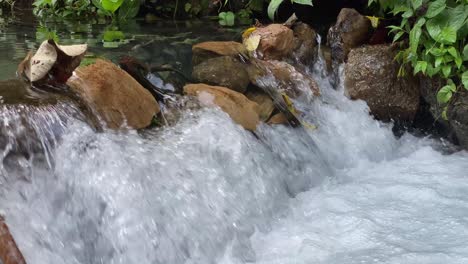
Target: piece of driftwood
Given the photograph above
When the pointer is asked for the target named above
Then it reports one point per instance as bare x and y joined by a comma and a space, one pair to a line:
9, 252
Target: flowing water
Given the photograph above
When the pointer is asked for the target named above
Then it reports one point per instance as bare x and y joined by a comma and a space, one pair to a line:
207, 191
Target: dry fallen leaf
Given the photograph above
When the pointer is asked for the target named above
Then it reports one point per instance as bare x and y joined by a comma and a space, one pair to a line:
42, 62
73, 50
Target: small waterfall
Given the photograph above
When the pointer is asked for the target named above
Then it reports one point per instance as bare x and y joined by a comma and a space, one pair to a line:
207, 191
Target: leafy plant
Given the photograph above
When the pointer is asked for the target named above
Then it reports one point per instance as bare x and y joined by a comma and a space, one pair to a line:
435, 34
227, 18
274, 5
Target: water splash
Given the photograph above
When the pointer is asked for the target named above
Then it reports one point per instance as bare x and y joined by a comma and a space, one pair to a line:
207, 191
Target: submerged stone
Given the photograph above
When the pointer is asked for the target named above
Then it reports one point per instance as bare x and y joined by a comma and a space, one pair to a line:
222, 71
236, 105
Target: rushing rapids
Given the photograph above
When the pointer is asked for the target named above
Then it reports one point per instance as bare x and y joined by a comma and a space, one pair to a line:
207, 191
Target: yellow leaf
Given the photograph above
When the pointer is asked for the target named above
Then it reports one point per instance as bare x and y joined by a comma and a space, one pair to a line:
247, 32
374, 21
251, 43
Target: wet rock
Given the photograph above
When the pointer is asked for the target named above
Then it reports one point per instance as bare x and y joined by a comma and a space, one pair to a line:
16, 91
222, 71
288, 79
371, 75
327, 57
264, 101
114, 95
350, 31
305, 48
457, 115
278, 119
236, 105
9, 252
212, 49
276, 42
428, 90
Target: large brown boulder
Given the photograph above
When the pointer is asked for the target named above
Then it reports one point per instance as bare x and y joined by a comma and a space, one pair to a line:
276, 42
371, 74
114, 95
457, 115
9, 252
222, 71
264, 101
236, 105
305, 48
212, 49
350, 31
288, 79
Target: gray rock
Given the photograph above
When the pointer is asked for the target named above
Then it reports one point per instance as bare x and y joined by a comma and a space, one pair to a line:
222, 71
371, 75
350, 31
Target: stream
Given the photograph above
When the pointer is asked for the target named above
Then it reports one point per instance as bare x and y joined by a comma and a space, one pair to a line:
207, 191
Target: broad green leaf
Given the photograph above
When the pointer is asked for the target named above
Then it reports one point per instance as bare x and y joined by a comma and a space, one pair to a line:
453, 52
129, 9
111, 5
446, 70
435, 8
458, 62
113, 35
465, 53
437, 52
438, 61
416, 4
408, 13
227, 18
273, 7
445, 94
457, 17
421, 66
433, 28
448, 35
400, 8
420, 22
303, 2
465, 79
415, 35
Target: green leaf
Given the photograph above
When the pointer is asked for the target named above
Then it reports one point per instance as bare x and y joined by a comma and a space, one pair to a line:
445, 94
273, 7
465, 53
438, 61
457, 17
465, 79
227, 18
448, 35
444, 113
421, 66
433, 28
408, 13
415, 35
303, 2
416, 4
113, 35
129, 9
435, 8
398, 36
446, 70
453, 52
111, 5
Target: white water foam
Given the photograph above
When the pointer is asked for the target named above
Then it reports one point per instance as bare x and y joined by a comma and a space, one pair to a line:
207, 191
